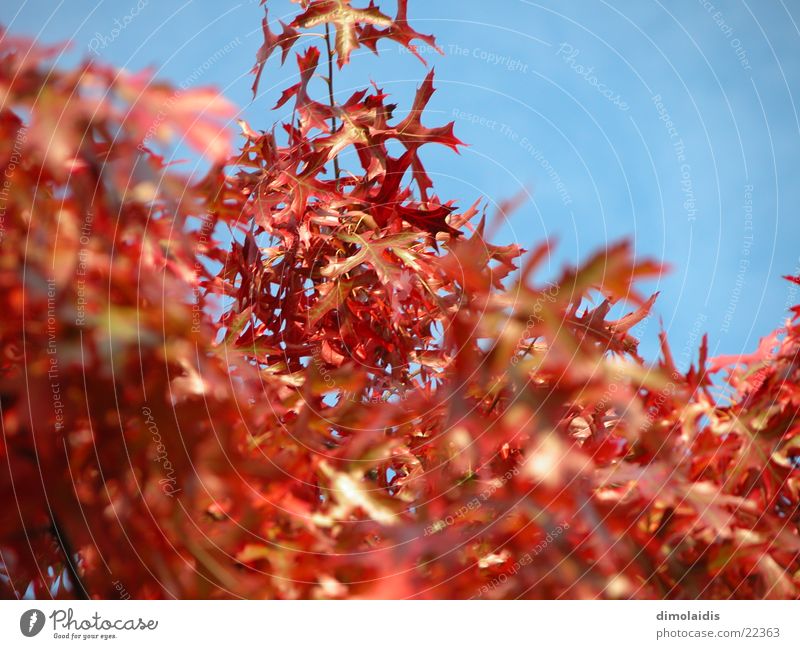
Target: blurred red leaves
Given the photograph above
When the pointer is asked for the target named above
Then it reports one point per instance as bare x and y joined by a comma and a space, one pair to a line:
352, 393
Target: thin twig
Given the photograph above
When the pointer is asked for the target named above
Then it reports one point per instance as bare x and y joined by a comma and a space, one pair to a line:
336, 169
69, 559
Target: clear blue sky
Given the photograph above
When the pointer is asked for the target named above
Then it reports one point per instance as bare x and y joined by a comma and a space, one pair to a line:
569, 100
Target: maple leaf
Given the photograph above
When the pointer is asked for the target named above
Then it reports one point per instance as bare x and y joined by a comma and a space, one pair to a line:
284, 40
345, 18
399, 31
331, 296
613, 334
372, 251
359, 116
412, 134
613, 273
389, 201
351, 493
312, 113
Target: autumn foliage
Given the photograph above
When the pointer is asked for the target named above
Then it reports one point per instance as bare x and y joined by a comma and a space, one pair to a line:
296, 380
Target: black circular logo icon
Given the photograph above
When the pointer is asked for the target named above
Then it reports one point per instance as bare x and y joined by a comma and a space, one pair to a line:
31, 622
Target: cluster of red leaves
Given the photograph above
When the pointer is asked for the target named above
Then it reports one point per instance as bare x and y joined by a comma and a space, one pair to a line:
388, 405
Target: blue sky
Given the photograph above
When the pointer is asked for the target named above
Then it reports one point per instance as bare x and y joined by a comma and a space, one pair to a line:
672, 123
